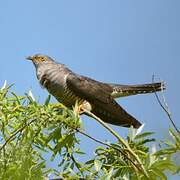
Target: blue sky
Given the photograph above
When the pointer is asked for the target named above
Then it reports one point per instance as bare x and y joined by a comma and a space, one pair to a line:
114, 41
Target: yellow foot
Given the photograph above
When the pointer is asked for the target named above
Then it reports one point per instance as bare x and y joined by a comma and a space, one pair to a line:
84, 106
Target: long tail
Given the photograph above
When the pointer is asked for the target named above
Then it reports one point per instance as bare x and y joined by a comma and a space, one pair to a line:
127, 90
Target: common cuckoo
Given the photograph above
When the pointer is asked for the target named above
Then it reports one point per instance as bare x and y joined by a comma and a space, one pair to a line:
68, 88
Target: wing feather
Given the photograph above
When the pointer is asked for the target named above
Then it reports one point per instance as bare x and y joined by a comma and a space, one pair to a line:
99, 96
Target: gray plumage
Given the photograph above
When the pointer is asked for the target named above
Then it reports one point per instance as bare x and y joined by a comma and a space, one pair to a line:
68, 87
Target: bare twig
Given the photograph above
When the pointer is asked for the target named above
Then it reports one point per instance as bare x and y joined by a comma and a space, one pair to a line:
165, 108
106, 144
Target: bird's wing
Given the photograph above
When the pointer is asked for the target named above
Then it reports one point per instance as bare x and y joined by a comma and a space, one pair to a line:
99, 96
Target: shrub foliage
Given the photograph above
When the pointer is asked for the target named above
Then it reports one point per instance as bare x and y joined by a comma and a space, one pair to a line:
29, 129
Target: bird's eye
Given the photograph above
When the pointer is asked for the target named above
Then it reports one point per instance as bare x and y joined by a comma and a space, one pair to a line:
41, 59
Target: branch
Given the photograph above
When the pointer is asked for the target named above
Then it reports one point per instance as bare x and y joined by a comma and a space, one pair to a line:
106, 144
15, 133
165, 108
120, 139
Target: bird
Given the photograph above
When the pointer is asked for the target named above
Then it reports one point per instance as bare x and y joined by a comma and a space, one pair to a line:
69, 87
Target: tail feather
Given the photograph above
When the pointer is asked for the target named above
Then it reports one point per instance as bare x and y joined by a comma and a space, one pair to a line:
127, 90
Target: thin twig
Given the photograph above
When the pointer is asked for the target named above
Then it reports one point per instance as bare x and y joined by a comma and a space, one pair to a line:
106, 144
75, 162
14, 134
165, 108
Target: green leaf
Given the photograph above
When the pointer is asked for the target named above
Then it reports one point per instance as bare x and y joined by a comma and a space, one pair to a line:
97, 164
63, 142
159, 174
91, 161
165, 151
143, 135
17, 98
54, 135
175, 136
47, 100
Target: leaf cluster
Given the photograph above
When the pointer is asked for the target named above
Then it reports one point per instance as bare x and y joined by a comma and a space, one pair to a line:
29, 129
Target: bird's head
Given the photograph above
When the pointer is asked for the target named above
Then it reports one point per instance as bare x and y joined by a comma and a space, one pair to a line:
39, 58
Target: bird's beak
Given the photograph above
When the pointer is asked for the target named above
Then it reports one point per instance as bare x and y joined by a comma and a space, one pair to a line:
29, 58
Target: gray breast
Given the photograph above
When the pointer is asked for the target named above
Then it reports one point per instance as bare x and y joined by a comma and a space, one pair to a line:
53, 77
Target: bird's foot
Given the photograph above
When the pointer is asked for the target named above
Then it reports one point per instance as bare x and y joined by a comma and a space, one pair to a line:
84, 106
